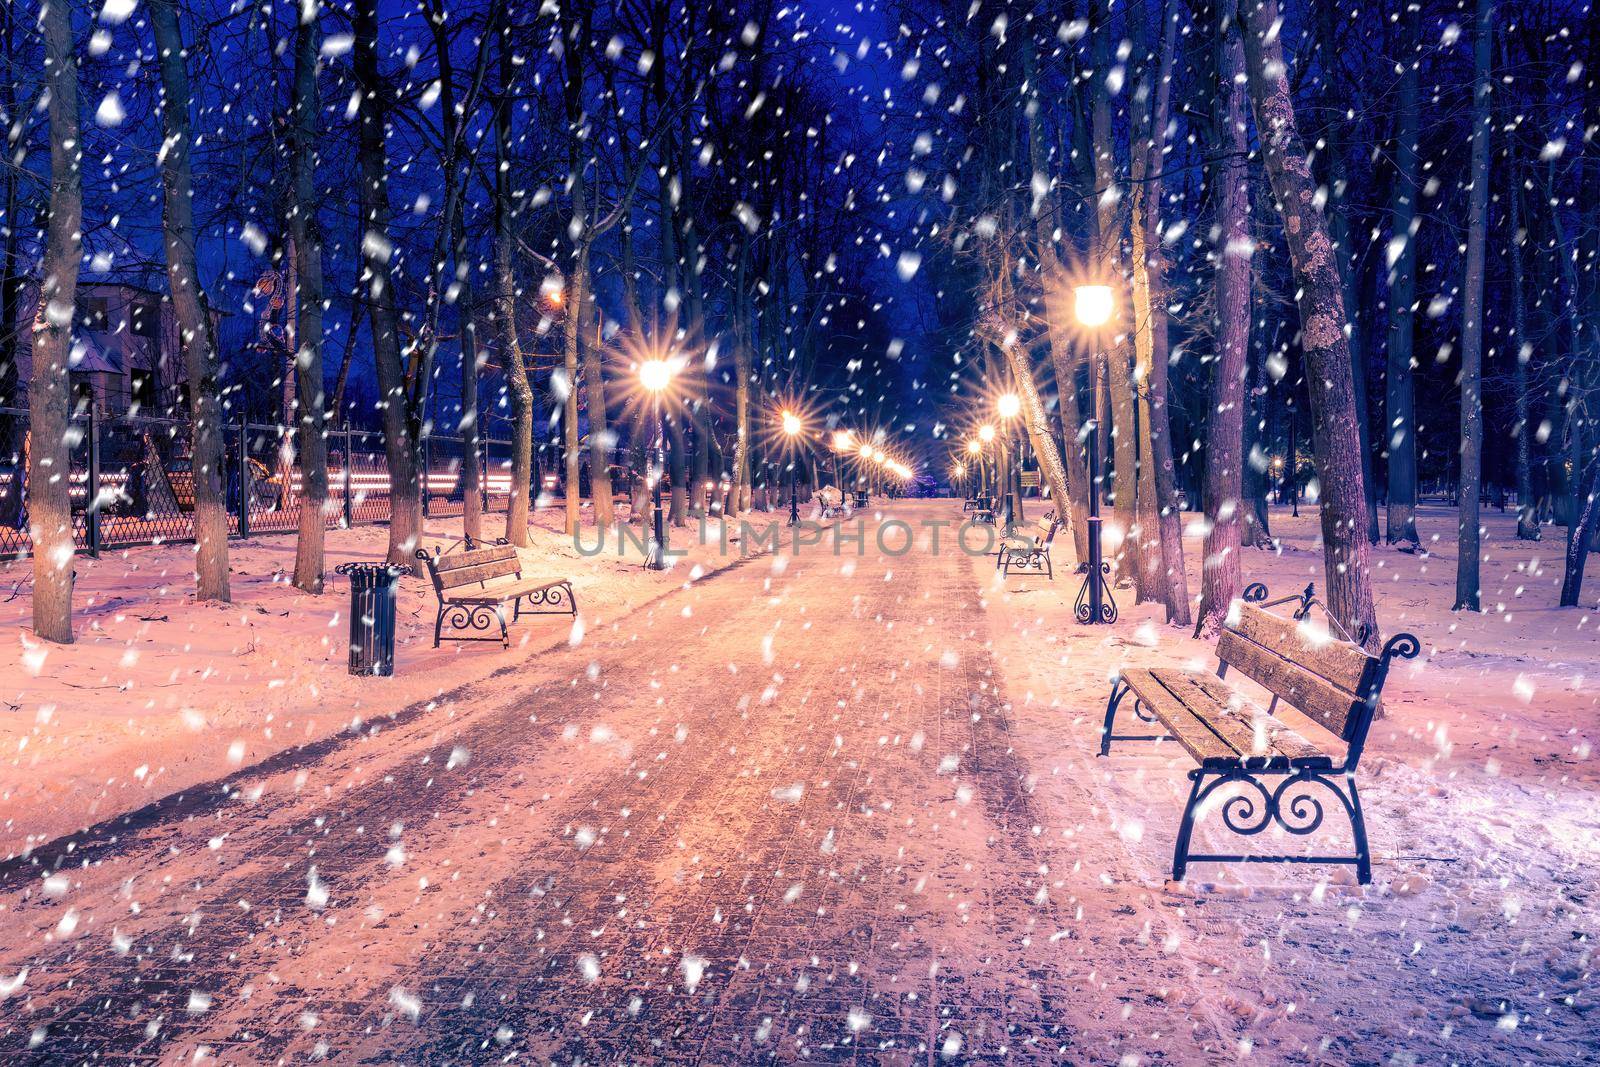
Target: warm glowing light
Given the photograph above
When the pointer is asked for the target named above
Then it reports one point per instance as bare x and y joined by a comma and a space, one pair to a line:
961, 471
974, 447
1009, 405
791, 423
843, 440
655, 374
1093, 304
987, 433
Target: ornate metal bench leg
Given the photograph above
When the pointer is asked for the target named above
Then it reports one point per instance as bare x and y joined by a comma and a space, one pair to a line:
1119, 689
438, 627
1180, 851
505, 634
1358, 827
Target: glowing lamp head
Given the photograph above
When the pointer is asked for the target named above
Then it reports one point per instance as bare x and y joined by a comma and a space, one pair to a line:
791, 423
986, 433
842, 440
1009, 405
974, 447
655, 374
1093, 304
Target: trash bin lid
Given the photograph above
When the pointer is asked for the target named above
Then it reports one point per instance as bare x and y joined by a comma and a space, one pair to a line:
369, 572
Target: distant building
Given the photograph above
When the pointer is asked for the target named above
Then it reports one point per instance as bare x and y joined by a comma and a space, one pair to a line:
125, 357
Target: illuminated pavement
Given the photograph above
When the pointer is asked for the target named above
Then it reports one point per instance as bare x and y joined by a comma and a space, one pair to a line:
770, 816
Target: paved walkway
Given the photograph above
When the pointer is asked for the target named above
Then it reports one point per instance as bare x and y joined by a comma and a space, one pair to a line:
773, 815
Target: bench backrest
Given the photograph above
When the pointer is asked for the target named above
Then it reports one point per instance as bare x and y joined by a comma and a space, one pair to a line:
1331, 681
454, 569
1046, 531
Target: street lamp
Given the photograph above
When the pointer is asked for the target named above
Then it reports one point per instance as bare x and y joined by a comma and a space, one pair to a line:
1009, 407
1094, 306
654, 376
975, 450
791, 430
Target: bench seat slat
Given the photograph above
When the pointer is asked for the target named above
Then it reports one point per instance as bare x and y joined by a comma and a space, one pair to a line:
1192, 733
499, 594
1242, 723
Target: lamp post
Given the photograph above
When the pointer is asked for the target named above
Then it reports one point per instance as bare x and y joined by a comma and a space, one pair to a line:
791, 430
655, 375
975, 450
1094, 305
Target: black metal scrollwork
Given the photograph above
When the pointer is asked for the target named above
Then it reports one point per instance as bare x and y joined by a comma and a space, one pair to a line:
470, 616
1108, 603
1254, 593
1290, 804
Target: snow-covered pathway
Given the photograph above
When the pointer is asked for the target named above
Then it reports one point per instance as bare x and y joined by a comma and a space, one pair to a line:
808, 808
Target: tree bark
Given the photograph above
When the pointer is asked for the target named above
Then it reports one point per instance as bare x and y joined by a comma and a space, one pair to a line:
400, 429
505, 314
1402, 416
1343, 244
1123, 452
1221, 571
194, 317
1335, 436
471, 443
600, 491
49, 391
1527, 514
1160, 522
1468, 538
572, 452
311, 401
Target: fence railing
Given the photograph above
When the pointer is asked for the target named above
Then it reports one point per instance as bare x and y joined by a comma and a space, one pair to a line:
130, 480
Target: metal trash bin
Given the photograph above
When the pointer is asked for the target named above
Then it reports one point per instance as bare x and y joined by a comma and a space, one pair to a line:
372, 596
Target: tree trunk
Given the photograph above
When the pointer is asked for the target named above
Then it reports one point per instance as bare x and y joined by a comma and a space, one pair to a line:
1468, 561
399, 431
600, 490
1162, 572
742, 493
512, 362
577, 296
1527, 515
471, 445
1221, 573
1335, 436
49, 391
1402, 416
194, 317
308, 554
1119, 379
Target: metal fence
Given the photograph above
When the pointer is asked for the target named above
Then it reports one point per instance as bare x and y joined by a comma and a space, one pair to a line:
131, 483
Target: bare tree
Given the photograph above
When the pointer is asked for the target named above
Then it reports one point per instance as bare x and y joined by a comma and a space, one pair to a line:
195, 332
1221, 572
49, 392
1160, 524
505, 311
307, 255
400, 424
1468, 536
1335, 436
1401, 443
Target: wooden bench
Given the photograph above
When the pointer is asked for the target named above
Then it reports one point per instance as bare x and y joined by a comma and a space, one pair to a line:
474, 586
1237, 742
1029, 553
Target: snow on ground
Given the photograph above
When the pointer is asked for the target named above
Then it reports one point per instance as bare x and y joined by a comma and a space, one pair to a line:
1479, 787
160, 693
